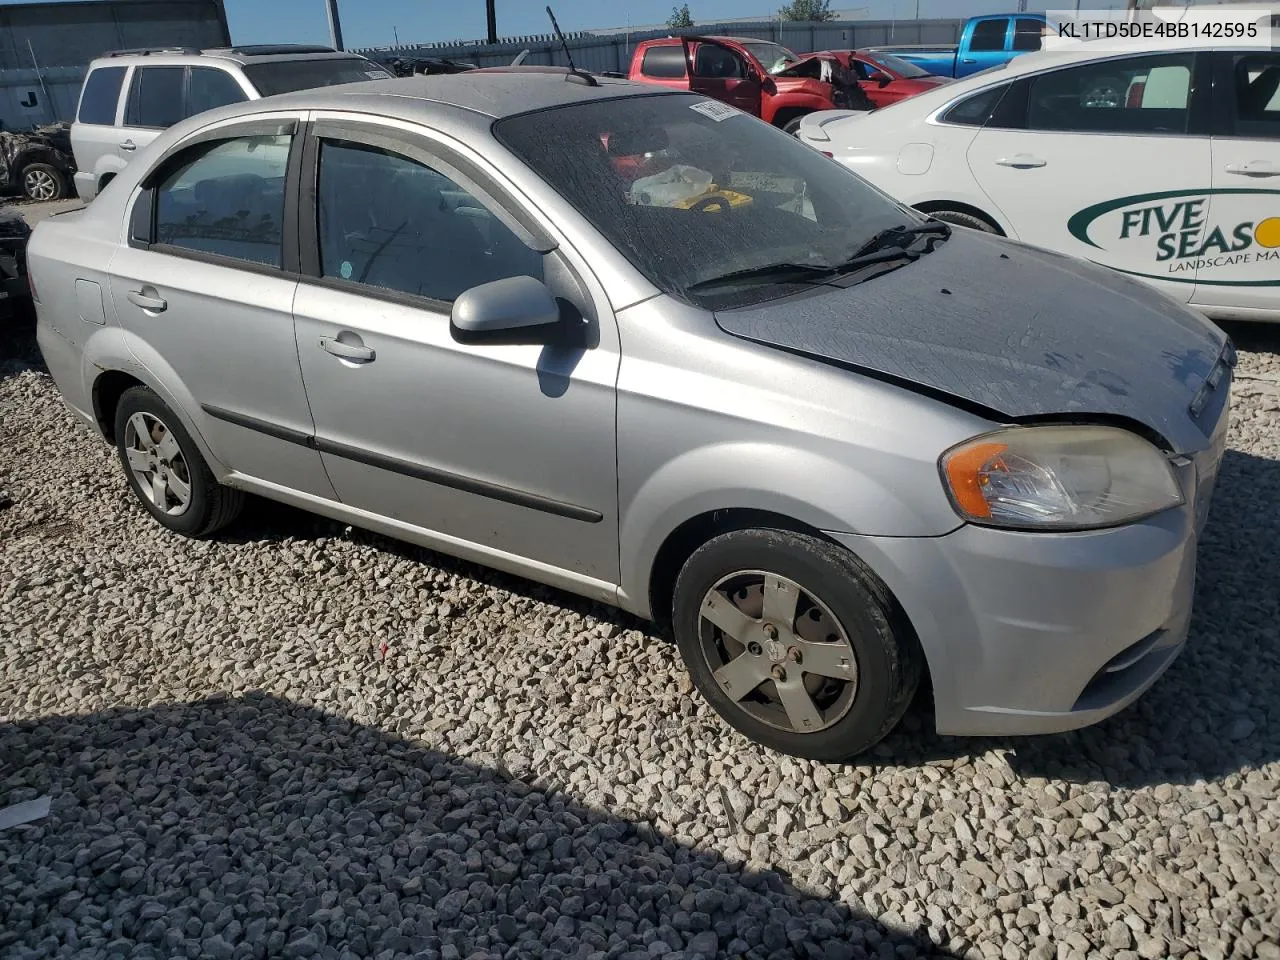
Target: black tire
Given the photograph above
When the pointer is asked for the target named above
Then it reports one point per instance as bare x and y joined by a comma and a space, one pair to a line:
792, 126
43, 181
211, 506
888, 659
961, 219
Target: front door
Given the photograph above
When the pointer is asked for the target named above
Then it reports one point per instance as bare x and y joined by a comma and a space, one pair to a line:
201, 286
1105, 161
505, 448
722, 73
1240, 270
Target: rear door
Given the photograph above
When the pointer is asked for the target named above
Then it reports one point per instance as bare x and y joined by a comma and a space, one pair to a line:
1107, 160
95, 136
987, 46
1240, 268
723, 73
206, 287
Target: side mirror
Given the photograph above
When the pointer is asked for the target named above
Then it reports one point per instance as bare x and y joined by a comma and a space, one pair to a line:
512, 310
883, 81
769, 86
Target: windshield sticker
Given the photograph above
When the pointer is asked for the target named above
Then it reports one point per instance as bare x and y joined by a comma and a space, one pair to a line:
1227, 237
715, 110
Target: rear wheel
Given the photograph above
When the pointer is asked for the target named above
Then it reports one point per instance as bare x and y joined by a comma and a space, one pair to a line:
165, 469
962, 219
794, 642
42, 181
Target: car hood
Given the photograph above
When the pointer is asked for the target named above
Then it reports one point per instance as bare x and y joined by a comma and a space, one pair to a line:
1021, 332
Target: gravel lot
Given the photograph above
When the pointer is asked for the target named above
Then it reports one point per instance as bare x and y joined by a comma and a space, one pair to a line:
305, 740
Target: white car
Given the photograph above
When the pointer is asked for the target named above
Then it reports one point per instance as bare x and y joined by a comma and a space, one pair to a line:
1163, 164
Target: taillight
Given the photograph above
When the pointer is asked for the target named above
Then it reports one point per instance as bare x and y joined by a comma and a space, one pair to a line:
827, 153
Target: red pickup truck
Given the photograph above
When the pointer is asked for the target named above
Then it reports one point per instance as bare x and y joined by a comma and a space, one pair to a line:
757, 76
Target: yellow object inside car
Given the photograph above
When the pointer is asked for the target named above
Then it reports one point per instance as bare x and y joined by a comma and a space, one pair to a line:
713, 200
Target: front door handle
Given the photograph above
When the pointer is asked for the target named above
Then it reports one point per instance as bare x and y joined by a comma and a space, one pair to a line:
1254, 168
1021, 161
146, 299
128, 145
355, 352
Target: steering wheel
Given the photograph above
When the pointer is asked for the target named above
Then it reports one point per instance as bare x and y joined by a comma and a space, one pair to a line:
708, 203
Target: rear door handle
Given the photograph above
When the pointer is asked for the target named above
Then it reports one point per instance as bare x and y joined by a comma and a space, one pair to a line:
128, 145
141, 298
1254, 168
355, 352
1021, 161
968, 60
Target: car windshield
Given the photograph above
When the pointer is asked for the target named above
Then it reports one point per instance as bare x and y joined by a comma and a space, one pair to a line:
772, 56
903, 68
286, 76
692, 191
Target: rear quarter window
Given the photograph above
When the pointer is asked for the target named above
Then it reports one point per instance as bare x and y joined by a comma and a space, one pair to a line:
100, 96
666, 63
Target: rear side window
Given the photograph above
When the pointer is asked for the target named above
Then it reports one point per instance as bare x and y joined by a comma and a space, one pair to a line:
226, 198
663, 62
989, 35
1257, 95
101, 94
975, 110
211, 87
1149, 94
1027, 35
155, 98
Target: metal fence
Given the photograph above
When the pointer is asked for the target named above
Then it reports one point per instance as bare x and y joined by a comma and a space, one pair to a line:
604, 52
45, 47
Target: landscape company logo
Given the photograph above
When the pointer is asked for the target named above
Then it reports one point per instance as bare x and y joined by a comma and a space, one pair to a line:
1226, 237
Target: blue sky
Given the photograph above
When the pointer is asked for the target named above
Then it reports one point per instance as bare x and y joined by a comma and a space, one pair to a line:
372, 22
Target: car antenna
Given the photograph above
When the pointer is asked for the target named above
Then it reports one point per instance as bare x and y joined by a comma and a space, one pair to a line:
574, 75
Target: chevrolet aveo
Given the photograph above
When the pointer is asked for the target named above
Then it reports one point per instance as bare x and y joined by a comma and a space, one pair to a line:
640, 346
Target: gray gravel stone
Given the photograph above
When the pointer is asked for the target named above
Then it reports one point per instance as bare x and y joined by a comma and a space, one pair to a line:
308, 741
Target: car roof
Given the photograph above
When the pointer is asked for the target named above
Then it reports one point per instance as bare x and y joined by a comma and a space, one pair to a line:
267, 53
494, 94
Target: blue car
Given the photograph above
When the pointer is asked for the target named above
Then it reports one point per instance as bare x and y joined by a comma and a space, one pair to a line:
985, 42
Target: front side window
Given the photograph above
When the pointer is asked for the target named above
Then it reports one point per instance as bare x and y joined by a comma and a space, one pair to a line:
155, 98
1150, 94
101, 93
718, 63
1028, 35
210, 88
665, 63
1257, 95
286, 76
694, 198
390, 222
989, 35
226, 198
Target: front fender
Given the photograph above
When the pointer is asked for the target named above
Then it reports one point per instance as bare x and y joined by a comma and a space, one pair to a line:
113, 349
808, 488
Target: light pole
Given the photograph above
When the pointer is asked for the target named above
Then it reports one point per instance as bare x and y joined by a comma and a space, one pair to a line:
335, 25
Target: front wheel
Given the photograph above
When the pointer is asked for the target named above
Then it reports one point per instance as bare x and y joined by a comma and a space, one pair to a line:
165, 469
792, 126
961, 219
795, 643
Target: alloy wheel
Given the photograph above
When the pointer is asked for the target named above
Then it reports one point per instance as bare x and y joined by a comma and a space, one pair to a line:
778, 651
40, 185
157, 463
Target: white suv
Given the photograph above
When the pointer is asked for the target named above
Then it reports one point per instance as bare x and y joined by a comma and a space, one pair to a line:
129, 96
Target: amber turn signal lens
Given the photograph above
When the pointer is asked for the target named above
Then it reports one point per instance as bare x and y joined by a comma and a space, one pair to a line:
966, 471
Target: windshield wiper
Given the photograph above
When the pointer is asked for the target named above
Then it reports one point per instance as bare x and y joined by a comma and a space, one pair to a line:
769, 273
901, 237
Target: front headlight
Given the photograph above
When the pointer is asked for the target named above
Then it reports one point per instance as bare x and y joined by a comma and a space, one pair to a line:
1058, 478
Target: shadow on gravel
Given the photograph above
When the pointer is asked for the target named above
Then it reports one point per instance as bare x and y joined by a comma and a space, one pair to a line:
18, 348
1215, 712
253, 827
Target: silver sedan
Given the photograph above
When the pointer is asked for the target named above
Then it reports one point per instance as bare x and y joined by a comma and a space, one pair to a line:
635, 344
